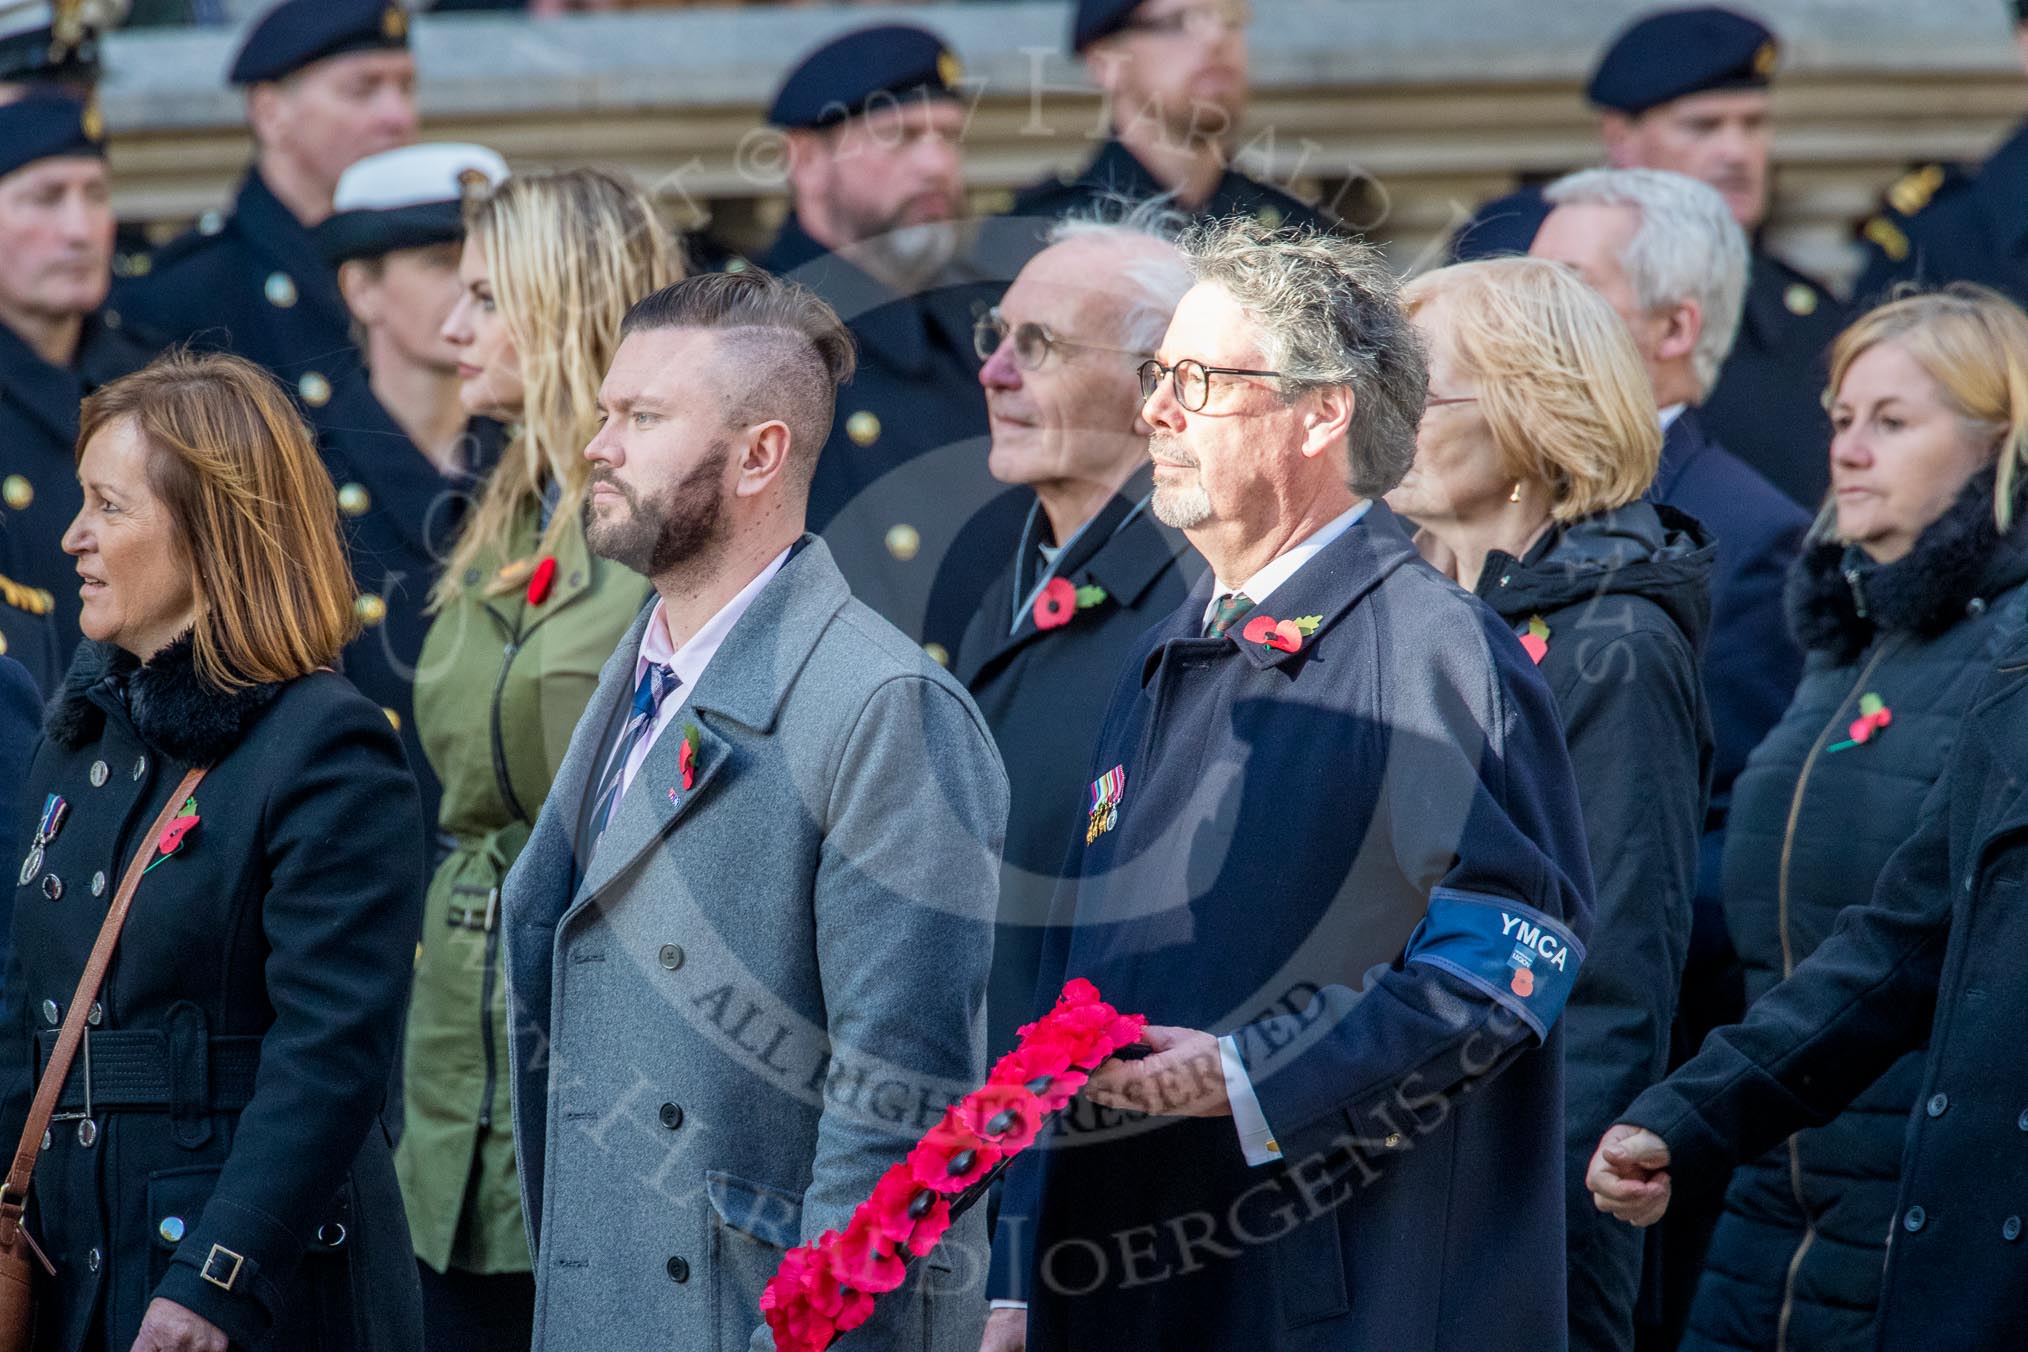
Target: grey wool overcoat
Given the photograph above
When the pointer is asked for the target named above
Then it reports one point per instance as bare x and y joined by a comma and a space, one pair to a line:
758, 991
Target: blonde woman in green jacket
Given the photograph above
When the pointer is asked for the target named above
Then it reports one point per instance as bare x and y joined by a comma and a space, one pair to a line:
525, 617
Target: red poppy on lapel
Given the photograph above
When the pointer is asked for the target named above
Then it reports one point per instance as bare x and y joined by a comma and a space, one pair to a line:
542, 581
1536, 639
686, 756
1059, 600
171, 839
1284, 635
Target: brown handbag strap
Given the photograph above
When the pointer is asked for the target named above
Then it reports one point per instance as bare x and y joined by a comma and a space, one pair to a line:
14, 1194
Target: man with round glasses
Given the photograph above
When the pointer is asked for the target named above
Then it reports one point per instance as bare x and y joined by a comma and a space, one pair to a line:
1092, 569
1174, 74
1333, 853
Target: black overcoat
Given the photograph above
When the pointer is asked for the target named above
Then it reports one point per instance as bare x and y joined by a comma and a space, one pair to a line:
234, 1160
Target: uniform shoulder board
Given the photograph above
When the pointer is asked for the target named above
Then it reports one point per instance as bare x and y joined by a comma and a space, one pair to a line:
1888, 236
33, 600
1912, 191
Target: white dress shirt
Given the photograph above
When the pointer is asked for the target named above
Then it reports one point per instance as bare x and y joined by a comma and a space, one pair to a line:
688, 661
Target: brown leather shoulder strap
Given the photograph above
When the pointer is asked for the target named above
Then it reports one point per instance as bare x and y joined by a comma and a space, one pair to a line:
14, 1195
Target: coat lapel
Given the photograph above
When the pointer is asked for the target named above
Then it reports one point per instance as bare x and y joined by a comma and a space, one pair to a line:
743, 687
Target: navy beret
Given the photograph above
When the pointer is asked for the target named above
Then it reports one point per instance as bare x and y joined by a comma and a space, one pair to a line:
297, 32
1682, 51
844, 76
1095, 19
46, 123
54, 41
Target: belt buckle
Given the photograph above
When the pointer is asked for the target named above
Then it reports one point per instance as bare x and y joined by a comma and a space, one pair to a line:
211, 1260
87, 1113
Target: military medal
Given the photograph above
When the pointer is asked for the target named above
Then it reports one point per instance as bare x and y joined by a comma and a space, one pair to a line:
53, 812
1105, 802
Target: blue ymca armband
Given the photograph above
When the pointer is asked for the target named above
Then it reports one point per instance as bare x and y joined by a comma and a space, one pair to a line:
1514, 953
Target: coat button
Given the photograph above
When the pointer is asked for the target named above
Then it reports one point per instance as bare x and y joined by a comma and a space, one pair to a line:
52, 887
2010, 1229
672, 958
937, 653
314, 388
1800, 299
17, 492
1393, 1141
354, 500
171, 1229
331, 1234
99, 883
903, 541
672, 1116
1937, 1104
51, 1014
100, 772
96, 1015
1913, 1220
679, 1271
370, 609
93, 1259
863, 428
280, 289
88, 1133
210, 223
47, 1140
2022, 1120
140, 768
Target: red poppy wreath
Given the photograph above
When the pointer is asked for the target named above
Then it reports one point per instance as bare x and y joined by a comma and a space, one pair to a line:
827, 1287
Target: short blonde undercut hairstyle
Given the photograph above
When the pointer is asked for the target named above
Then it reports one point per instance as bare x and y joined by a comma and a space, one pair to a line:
1561, 384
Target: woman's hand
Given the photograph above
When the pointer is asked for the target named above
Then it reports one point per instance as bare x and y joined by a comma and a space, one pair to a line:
168, 1327
1629, 1175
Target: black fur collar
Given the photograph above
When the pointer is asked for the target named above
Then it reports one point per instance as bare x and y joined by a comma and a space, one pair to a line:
172, 707
1960, 558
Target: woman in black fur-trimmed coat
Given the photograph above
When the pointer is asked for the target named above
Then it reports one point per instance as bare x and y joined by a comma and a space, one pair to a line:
1903, 598
217, 1175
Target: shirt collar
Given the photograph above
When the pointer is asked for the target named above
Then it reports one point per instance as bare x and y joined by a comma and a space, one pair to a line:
1670, 414
1284, 565
689, 661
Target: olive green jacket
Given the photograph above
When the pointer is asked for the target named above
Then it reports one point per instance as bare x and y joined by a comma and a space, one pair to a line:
499, 689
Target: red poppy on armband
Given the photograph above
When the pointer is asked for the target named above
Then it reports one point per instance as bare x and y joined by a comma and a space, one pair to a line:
1513, 953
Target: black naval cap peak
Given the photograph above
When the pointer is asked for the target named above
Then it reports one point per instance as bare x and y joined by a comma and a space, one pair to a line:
847, 75
296, 33
1676, 52
47, 123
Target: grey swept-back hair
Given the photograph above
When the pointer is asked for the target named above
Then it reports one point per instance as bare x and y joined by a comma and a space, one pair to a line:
1688, 247
1329, 314
1154, 283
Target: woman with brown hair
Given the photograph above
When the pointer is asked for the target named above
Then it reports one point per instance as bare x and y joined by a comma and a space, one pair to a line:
214, 1171
526, 617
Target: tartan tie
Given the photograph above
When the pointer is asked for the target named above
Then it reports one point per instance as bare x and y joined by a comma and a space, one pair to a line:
1230, 610
656, 684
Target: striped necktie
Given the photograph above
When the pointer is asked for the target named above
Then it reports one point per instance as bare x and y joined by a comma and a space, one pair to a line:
657, 683
1230, 610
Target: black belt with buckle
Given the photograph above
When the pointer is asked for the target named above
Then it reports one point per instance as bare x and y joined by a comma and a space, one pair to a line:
131, 1070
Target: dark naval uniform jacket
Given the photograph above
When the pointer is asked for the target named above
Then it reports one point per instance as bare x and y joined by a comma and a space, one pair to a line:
38, 452
1044, 692
1931, 965
1114, 173
903, 475
233, 1159
1947, 223
1364, 859
27, 618
400, 519
1765, 407
249, 281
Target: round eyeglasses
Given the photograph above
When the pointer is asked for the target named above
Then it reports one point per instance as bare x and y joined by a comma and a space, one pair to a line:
1190, 379
1032, 342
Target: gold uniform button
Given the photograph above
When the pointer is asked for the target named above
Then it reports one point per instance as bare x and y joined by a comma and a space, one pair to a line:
863, 427
17, 492
3, 645
171, 1229
316, 390
353, 499
903, 541
1801, 299
394, 23
1270, 216
210, 223
393, 718
938, 653
1393, 1141
370, 609
280, 290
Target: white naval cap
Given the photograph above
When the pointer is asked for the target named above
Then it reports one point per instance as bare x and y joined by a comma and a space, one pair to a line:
406, 198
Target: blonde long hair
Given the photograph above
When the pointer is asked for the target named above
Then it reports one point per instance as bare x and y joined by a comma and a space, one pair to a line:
1973, 342
567, 252
1561, 384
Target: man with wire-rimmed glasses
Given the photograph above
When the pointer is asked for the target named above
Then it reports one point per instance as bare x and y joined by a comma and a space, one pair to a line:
1331, 850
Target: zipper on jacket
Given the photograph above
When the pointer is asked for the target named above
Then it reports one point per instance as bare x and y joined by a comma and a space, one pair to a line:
1789, 954
488, 984
1856, 580
500, 776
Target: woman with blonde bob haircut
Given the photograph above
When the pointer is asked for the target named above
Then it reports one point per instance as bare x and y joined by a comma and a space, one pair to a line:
1539, 438
526, 617
1909, 586
216, 1159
